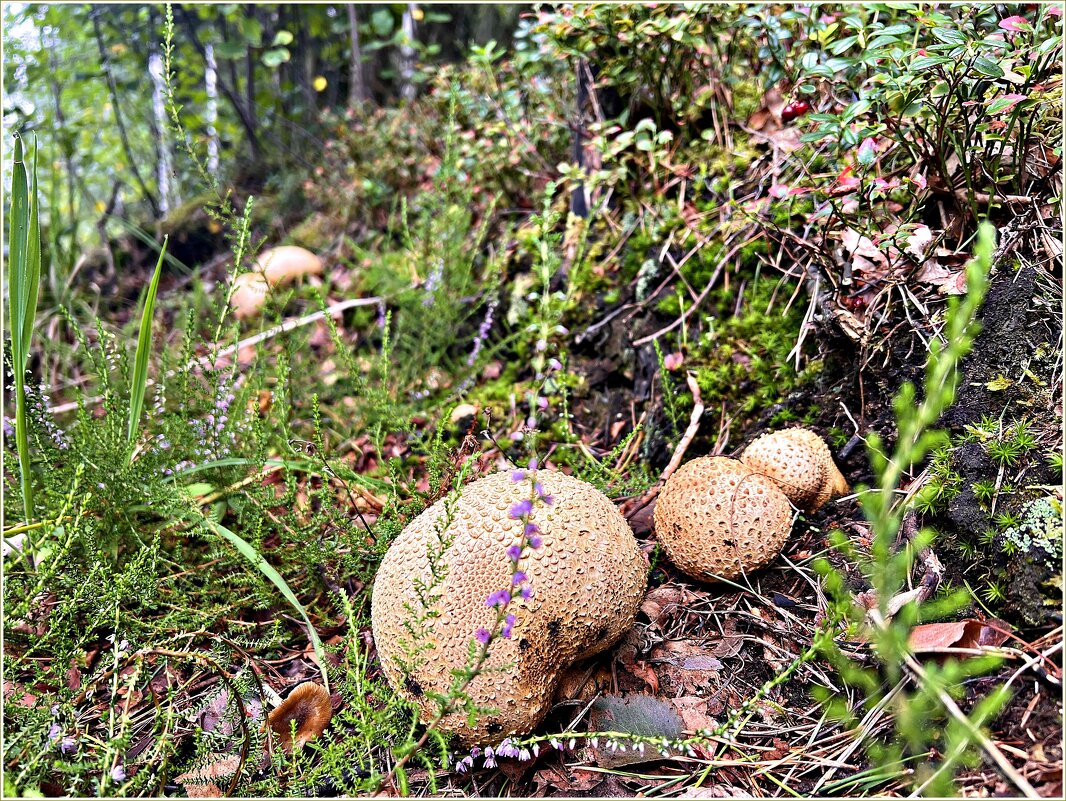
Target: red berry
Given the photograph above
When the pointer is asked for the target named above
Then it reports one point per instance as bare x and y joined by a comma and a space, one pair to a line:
801, 107
788, 113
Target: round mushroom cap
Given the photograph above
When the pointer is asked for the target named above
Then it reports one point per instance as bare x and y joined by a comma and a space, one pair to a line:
249, 295
587, 580
799, 462
718, 519
286, 263
309, 705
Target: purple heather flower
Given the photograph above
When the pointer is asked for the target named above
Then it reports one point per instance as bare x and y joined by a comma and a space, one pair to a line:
498, 598
541, 345
482, 636
518, 475
67, 744
519, 577
508, 626
521, 509
547, 500
9, 429
555, 364
531, 529
490, 758
527, 593
524, 755
54, 731
535, 542
118, 774
464, 764
515, 552
533, 463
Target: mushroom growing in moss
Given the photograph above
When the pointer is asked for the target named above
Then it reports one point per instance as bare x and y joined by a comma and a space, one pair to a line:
309, 706
799, 462
274, 267
719, 519
586, 582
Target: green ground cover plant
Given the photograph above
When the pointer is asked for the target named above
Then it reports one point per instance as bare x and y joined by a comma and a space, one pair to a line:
604, 238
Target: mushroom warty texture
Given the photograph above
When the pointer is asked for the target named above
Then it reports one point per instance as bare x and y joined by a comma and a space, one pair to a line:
799, 462
587, 580
718, 519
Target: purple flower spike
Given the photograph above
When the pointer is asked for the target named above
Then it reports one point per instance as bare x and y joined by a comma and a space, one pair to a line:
519, 577
482, 636
518, 475
521, 509
515, 552
508, 627
535, 542
547, 500
499, 598
527, 593
531, 529
533, 463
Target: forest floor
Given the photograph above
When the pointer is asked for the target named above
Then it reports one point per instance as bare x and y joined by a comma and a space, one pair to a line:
763, 343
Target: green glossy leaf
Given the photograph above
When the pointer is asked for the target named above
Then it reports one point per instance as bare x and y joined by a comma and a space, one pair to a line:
282, 38
987, 67
276, 57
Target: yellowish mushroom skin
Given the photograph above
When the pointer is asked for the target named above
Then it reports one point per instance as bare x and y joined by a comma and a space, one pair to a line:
587, 578
799, 462
718, 519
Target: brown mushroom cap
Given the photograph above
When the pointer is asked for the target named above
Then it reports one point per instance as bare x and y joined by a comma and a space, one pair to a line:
717, 518
799, 462
310, 707
587, 578
249, 295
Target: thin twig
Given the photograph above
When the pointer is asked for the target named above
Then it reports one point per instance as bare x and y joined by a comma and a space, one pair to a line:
281, 328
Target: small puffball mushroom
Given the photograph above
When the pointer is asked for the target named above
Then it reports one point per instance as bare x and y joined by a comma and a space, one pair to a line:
799, 462
310, 707
718, 519
587, 580
274, 267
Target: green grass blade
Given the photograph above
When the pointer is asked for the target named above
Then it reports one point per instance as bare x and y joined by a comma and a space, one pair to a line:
264, 567
23, 284
139, 381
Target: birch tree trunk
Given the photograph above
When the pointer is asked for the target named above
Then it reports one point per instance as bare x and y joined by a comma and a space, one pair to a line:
165, 162
211, 112
356, 84
407, 53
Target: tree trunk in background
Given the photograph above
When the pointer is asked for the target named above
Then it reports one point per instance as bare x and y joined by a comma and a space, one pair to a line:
105, 65
211, 112
164, 164
407, 53
356, 84
307, 64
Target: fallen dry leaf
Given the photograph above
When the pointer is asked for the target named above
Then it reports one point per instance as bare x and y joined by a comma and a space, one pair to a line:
948, 282
932, 637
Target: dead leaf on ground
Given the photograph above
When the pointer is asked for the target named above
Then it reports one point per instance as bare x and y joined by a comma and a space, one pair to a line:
933, 637
662, 605
633, 714
947, 282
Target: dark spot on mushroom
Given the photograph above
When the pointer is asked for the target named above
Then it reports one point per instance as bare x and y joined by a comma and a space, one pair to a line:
524, 644
553, 627
413, 687
494, 728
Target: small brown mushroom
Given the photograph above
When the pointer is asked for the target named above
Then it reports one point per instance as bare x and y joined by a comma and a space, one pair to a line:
799, 462
718, 519
310, 707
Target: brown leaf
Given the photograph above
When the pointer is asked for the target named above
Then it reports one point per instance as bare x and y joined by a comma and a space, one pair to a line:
931, 637
948, 282
693, 711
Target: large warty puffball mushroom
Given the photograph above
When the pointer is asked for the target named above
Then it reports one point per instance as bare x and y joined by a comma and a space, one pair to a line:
587, 580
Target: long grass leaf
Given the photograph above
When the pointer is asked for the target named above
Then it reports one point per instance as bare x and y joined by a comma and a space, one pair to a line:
264, 567
23, 282
139, 381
